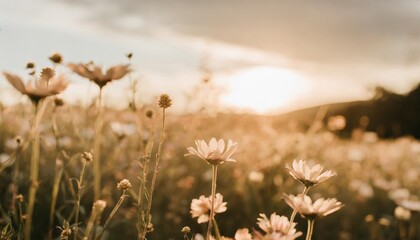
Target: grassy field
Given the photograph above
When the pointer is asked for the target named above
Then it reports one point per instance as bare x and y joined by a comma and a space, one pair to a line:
374, 177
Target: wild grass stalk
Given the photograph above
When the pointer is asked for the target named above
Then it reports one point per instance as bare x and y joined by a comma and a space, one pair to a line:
54, 194
164, 102
112, 214
34, 166
97, 210
97, 149
86, 157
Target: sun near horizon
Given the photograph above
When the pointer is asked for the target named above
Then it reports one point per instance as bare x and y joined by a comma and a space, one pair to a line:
263, 89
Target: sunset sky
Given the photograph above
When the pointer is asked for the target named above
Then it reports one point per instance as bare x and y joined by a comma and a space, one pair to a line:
266, 55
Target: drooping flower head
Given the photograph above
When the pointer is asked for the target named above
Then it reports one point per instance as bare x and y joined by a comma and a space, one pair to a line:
215, 152
94, 73
201, 207
309, 176
48, 84
308, 209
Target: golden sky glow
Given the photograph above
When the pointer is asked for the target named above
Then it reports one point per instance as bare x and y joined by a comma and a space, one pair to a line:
262, 89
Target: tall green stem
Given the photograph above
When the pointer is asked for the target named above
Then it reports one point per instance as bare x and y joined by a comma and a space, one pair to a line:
97, 150
292, 218
213, 197
34, 172
310, 229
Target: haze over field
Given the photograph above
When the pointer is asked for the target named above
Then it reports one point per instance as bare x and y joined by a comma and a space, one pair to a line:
306, 53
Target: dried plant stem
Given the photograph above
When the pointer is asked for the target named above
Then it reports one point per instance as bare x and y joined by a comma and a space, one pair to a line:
79, 197
90, 225
97, 149
310, 229
15, 184
57, 175
216, 229
113, 212
143, 232
213, 197
292, 218
402, 230
34, 171
56, 187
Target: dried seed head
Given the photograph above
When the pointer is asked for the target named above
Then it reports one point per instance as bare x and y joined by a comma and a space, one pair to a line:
150, 227
65, 232
30, 65
87, 156
186, 230
149, 113
99, 206
20, 198
56, 58
165, 101
124, 184
58, 102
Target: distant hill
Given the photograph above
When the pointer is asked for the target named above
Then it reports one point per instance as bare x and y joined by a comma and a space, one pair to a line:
388, 114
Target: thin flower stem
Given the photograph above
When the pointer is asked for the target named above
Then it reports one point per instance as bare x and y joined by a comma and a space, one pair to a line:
216, 230
292, 218
113, 212
310, 229
34, 172
153, 182
79, 197
97, 150
213, 196
57, 174
56, 187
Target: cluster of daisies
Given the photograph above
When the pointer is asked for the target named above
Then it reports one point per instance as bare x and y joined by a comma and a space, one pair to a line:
275, 227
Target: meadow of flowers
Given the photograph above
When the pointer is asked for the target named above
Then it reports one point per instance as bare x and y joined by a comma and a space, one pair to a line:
92, 172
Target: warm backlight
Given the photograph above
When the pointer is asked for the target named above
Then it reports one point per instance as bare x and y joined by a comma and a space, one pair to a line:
264, 89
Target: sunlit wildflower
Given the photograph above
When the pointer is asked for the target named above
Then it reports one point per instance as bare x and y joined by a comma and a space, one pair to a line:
336, 123
201, 207
308, 209
47, 85
124, 184
309, 176
94, 73
398, 195
402, 213
214, 152
165, 101
413, 205
123, 130
99, 206
186, 230
243, 234
280, 225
